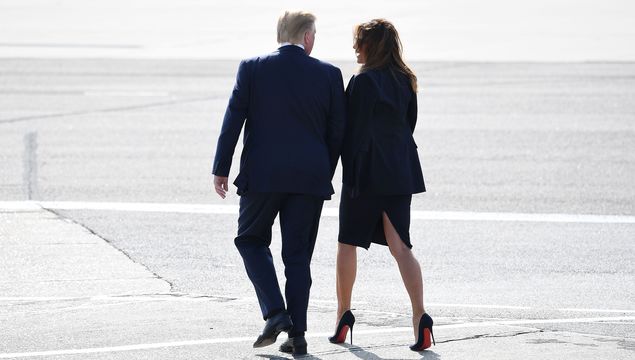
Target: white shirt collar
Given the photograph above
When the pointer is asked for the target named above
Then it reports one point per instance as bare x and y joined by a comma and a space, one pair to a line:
288, 43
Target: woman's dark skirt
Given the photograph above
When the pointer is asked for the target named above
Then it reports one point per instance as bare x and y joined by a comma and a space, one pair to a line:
361, 218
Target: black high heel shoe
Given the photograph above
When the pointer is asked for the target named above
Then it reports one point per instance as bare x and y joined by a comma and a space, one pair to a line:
346, 322
424, 334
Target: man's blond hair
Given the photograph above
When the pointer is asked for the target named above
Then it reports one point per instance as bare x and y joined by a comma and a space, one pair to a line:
293, 24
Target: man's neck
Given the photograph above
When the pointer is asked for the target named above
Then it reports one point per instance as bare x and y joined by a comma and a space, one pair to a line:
288, 43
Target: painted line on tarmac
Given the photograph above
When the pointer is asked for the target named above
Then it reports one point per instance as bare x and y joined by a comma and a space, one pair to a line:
598, 310
172, 297
484, 306
126, 93
508, 307
162, 345
327, 212
178, 297
513, 307
183, 297
539, 321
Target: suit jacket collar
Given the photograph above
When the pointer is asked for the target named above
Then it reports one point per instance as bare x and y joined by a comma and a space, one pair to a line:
291, 48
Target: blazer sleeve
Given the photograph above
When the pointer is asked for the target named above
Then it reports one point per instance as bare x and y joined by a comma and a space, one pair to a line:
233, 121
336, 123
362, 97
412, 111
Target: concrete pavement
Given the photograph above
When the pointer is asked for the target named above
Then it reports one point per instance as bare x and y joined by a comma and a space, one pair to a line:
71, 294
528, 165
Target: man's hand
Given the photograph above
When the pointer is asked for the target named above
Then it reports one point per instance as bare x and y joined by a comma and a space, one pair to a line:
220, 185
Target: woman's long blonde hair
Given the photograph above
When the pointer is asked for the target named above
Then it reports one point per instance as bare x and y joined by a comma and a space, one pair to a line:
381, 44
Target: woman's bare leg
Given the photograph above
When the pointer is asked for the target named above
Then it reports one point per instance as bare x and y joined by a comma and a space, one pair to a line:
346, 269
409, 269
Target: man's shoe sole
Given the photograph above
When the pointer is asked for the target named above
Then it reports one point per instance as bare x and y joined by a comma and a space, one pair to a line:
295, 350
270, 340
299, 350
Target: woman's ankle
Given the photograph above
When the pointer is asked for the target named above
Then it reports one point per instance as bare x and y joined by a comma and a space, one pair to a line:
341, 311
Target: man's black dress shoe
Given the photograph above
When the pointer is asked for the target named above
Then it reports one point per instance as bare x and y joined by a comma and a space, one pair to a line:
294, 345
273, 327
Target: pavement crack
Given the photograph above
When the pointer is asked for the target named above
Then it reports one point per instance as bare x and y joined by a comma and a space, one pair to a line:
175, 295
365, 352
485, 336
109, 242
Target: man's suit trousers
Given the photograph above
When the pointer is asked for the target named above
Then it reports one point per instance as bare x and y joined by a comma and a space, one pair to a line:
299, 220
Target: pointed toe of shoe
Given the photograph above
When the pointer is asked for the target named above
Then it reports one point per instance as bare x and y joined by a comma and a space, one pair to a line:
273, 327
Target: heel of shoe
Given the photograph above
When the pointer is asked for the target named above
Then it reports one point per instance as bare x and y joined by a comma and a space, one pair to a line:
345, 324
299, 350
424, 334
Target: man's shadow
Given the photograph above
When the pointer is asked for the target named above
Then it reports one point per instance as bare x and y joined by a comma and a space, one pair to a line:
275, 357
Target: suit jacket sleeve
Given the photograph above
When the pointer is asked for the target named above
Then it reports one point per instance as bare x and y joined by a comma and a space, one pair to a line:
336, 125
233, 121
412, 111
362, 97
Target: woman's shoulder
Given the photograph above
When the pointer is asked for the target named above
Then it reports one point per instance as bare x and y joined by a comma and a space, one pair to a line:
367, 75
363, 80
378, 76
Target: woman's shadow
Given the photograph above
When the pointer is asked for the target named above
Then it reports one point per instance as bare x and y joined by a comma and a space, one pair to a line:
362, 353
368, 355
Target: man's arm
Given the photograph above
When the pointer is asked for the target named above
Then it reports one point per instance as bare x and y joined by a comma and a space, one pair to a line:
336, 125
233, 121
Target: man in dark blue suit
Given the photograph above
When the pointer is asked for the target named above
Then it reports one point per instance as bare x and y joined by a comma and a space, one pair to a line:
294, 107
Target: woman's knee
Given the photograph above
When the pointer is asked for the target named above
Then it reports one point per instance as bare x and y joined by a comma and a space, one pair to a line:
399, 250
346, 249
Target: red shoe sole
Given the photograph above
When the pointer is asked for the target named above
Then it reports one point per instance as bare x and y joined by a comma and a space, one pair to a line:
341, 337
427, 341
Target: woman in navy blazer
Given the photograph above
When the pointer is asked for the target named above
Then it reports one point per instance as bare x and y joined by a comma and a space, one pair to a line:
381, 171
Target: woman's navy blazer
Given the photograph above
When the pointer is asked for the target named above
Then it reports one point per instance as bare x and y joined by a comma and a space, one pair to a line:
379, 154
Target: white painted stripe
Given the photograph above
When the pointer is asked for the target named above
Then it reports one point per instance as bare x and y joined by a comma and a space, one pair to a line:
125, 347
482, 306
19, 206
512, 307
183, 297
334, 302
538, 321
327, 212
126, 93
599, 310
506, 307
173, 297
522, 217
37, 298
163, 345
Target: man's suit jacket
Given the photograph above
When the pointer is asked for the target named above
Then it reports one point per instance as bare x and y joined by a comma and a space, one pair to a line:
294, 107
379, 154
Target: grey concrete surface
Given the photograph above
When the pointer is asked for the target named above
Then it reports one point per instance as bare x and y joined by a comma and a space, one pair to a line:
504, 137
44, 255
